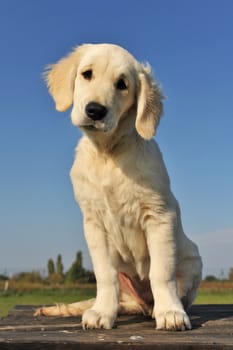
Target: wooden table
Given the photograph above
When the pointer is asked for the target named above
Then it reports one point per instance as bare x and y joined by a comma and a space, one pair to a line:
212, 329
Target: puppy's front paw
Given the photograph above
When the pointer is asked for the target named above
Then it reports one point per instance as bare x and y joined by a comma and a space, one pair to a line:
174, 320
95, 319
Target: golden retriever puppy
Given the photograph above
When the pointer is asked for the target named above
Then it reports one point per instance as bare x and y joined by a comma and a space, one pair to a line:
143, 261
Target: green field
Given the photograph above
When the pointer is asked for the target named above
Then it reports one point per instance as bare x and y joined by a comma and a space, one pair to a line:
214, 297
51, 296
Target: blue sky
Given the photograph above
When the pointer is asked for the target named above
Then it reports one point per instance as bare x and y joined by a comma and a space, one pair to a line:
190, 46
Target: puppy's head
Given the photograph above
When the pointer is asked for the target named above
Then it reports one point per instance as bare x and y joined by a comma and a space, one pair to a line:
103, 82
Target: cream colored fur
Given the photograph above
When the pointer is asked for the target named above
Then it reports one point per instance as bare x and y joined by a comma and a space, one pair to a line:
131, 219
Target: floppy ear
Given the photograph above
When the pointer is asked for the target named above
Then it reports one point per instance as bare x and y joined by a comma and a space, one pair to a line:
60, 78
149, 104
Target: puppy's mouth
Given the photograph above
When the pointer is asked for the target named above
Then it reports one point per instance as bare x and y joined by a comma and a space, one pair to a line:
94, 127
89, 127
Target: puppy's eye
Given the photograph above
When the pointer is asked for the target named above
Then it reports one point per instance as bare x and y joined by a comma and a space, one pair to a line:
121, 84
87, 74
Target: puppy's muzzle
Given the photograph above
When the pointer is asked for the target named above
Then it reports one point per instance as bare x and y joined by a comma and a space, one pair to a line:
95, 111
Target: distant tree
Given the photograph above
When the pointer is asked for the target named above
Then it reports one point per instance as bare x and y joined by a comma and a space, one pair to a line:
59, 266
55, 275
230, 274
51, 267
3, 278
79, 259
89, 277
210, 278
28, 277
76, 270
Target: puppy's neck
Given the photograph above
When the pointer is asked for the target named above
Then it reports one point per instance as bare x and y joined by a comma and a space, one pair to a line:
118, 141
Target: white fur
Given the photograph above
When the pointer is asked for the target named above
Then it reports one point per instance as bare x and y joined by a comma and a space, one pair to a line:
131, 219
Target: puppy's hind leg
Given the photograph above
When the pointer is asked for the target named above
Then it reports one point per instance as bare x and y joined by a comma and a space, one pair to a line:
65, 310
189, 273
135, 296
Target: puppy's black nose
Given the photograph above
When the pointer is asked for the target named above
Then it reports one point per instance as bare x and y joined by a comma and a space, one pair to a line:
96, 111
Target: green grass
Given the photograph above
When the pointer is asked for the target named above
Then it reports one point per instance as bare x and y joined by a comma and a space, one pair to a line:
221, 296
42, 297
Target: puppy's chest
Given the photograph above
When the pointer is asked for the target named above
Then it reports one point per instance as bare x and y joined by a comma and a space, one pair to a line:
106, 189
113, 198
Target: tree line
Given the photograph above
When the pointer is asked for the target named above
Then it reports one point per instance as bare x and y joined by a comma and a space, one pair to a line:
212, 278
55, 273
75, 273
